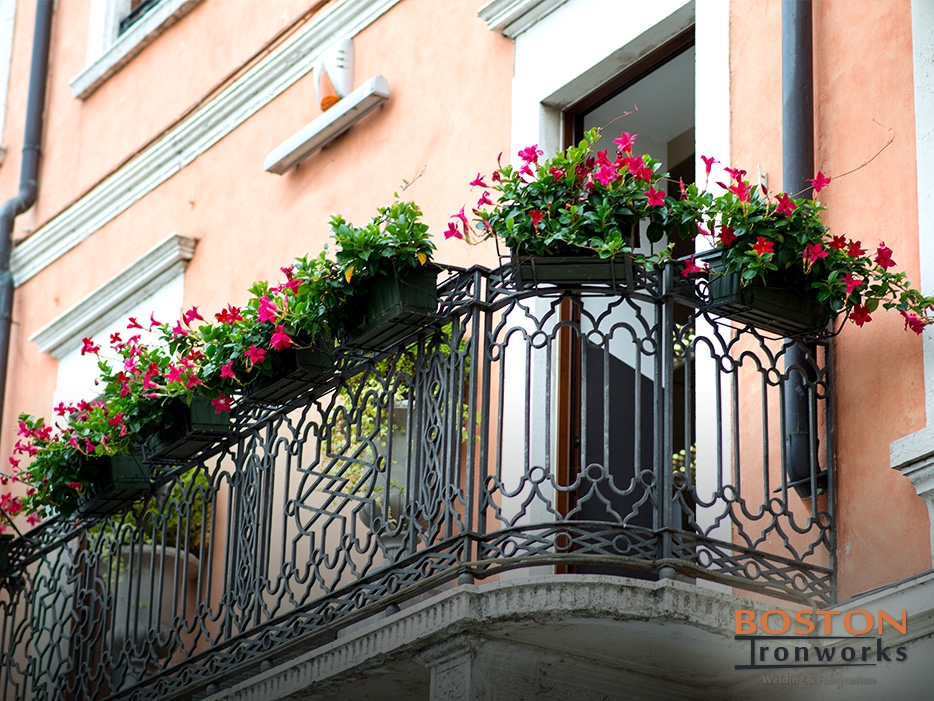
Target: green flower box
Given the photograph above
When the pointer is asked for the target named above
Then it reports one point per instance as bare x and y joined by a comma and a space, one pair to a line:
396, 307
121, 480
187, 430
772, 305
572, 270
6, 541
299, 370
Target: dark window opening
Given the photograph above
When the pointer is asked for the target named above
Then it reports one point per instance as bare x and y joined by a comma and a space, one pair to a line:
138, 8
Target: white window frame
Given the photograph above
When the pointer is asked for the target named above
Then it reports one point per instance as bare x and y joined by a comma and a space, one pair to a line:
108, 52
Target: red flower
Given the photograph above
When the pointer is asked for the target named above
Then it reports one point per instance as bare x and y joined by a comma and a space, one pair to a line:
691, 267
785, 205
536, 216
819, 182
726, 236
227, 371
838, 243
854, 250
89, 346
763, 246
708, 163
656, 197
884, 256
229, 315
75, 485
741, 189
736, 173
860, 314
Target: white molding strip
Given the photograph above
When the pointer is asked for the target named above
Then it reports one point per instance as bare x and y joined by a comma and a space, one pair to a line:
326, 128
115, 297
233, 106
512, 17
134, 40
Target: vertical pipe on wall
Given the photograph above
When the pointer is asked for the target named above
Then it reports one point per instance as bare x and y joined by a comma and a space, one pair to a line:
29, 174
797, 167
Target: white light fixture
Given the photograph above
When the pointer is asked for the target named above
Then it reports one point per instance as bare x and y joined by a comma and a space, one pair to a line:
328, 126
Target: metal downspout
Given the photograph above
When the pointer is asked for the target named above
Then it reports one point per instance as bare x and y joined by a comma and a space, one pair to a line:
29, 173
797, 167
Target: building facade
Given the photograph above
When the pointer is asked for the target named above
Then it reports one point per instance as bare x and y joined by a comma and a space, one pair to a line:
491, 506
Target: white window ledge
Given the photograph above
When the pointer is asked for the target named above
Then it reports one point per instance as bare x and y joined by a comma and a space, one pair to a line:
130, 43
328, 126
115, 297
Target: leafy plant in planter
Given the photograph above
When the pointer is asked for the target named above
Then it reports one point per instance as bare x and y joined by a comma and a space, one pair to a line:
776, 265
391, 287
574, 217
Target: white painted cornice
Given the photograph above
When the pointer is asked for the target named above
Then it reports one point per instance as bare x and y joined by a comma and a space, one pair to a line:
115, 297
512, 17
199, 132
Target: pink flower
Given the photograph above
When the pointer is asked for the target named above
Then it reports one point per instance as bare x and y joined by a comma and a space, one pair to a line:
819, 182
255, 355
478, 181
813, 252
625, 141
736, 173
221, 404
708, 163
267, 311
191, 315
227, 371
785, 205
177, 330
851, 283
884, 256
656, 197
606, 175
229, 315
134, 324
152, 321
280, 339
914, 322
75, 485
453, 232
530, 154
741, 189
484, 199
860, 314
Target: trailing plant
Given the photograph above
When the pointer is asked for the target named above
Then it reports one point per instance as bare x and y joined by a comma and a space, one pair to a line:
780, 240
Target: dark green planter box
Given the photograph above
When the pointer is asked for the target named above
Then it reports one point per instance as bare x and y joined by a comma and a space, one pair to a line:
121, 480
6, 541
187, 431
300, 370
773, 307
396, 307
572, 271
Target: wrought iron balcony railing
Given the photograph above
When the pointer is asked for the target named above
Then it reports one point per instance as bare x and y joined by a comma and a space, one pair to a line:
614, 429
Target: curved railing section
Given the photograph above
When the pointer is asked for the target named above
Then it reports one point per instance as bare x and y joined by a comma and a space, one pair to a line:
593, 428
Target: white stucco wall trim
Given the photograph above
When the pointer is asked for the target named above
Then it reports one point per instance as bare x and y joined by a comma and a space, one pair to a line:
914, 454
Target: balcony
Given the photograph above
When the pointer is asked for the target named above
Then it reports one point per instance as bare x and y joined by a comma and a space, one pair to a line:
578, 429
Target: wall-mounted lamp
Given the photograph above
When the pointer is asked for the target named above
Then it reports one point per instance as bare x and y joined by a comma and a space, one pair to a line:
342, 108
343, 115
